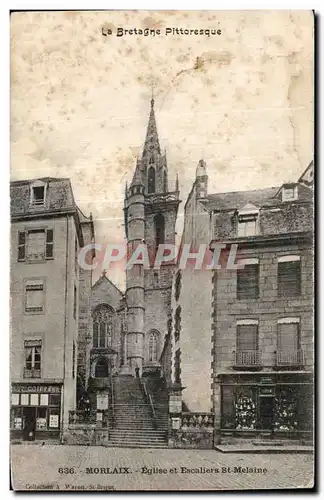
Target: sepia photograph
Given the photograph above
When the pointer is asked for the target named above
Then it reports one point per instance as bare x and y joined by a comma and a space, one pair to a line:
162, 250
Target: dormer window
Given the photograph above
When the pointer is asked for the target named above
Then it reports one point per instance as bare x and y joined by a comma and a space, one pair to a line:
247, 221
37, 194
289, 192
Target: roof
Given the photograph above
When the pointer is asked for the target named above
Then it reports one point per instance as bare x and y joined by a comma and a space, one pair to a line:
104, 278
58, 198
239, 199
236, 200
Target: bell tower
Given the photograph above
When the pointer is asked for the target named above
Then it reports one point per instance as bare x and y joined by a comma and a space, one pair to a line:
150, 216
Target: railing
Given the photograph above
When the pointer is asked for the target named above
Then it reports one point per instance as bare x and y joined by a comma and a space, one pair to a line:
32, 373
88, 417
148, 397
201, 421
247, 358
290, 358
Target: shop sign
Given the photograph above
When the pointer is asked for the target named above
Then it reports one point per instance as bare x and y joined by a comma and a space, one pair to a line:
54, 421
102, 402
176, 422
51, 389
175, 405
267, 391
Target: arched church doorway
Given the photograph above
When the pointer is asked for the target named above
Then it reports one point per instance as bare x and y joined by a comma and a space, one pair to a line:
101, 369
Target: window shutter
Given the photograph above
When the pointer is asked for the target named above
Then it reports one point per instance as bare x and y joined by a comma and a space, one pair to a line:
248, 282
21, 245
289, 278
49, 244
247, 337
288, 337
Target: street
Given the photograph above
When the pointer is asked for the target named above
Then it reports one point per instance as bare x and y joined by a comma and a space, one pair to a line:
55, 467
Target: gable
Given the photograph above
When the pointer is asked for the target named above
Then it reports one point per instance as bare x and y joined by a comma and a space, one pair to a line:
105, 292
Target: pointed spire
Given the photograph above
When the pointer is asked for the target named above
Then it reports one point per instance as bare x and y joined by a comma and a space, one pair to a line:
152, 139
137, 178
177, 184
126, 189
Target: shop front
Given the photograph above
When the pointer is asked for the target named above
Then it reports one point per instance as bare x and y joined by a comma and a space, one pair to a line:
35, 411
278, 406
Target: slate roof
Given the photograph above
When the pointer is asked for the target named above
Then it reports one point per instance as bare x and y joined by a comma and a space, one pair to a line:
259, 197
59, 197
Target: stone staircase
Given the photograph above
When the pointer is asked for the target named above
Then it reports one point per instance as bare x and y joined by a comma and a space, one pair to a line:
134, 426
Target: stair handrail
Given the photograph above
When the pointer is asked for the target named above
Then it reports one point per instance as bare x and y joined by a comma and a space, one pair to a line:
149, 398
112, 400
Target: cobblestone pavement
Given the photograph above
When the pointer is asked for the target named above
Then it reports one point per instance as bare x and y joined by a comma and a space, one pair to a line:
65, 468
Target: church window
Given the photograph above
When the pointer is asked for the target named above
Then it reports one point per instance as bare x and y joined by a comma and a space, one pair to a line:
102, 327
165, 181
177, 324
151, 180
159, 229
177, 367
153, 346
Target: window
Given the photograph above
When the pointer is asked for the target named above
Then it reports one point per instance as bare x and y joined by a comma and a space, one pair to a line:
35, 245
177, 285
247, 335
289, 282
38, 195
153, 346
34, 296
248, 280
289, 193
288, 335
159, 229
33, 349
165, 182
151, 180
246, 227
177, 369
102, 327
177, 324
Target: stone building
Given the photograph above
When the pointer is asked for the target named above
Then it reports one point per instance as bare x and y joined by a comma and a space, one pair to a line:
242, 338
46, 235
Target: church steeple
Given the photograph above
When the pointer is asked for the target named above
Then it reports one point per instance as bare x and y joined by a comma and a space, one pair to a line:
151, 144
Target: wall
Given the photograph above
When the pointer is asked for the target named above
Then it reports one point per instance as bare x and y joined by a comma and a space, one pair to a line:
50, 324
57, 346
85, 284
268, 308
195, 301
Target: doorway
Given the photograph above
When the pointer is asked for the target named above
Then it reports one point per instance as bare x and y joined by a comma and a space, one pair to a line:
266, 412
29, 419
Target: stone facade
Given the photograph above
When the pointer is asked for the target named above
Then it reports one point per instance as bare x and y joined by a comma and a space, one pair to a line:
206, 309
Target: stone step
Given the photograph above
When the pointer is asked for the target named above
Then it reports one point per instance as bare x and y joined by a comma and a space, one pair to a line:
111, 444
146, 433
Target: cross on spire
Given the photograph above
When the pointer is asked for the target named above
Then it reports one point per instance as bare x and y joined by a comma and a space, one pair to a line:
152, 94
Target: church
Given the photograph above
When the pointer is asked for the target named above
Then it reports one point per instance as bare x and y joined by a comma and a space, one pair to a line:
123, 335
165, 360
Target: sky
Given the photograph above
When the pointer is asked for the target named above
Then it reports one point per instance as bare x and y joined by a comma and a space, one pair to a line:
80, 101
